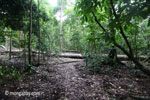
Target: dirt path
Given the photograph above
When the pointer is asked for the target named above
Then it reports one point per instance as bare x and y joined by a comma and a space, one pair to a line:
76, 87
59, 80
67, 79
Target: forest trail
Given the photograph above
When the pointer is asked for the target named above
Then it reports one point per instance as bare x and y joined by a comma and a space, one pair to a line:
77, 83
67, 79
77, 86
60, 79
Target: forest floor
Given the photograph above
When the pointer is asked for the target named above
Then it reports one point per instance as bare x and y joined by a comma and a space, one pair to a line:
68, 79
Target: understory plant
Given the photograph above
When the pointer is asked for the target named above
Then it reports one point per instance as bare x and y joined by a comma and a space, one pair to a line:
9, 73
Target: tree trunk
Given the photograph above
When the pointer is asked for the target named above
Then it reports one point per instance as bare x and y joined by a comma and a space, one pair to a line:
30, 32
10, 45
24, 47
61, 23
39, 40
20, 33
24, 32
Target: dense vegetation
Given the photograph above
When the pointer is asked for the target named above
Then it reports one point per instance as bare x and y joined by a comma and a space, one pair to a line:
118, 20
105, 32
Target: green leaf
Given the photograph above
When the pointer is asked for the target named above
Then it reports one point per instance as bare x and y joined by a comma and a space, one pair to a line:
33, 68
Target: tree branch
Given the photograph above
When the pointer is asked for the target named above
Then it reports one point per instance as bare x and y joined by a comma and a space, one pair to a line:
120, 47
98, 22
121, 30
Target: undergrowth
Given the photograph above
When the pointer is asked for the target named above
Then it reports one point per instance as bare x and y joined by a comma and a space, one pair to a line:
8, 73
97, 64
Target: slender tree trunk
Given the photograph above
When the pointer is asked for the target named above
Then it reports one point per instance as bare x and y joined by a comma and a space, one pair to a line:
43, 56
20, 40
39, 32
49, 41
10, 45
61, 33
50, 44
95, 45
135, 40
24, 47
20, 33
30, 32
24, 32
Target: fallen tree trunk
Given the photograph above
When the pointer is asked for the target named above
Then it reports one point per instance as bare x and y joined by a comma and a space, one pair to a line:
77, 55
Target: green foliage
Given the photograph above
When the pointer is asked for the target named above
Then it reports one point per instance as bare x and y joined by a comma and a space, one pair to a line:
7, 73
87, 37
30, 68
129, 16
93, 64
12, 12
97, 64
72, 31
2, 34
